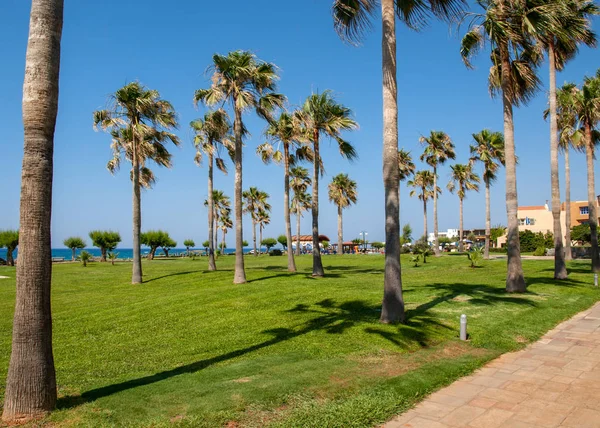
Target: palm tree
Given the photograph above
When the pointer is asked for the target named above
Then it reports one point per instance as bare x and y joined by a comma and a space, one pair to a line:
489, 150
140, 123
462, 179
225, 223
31, 381
247, 83
423, 182
512, 74
322, 115
406, 167
566, 28
286, 132
74, 243
262, 219
351, 19
302, 201
438, 149
211, 134
221, 206
342, 192
255, 201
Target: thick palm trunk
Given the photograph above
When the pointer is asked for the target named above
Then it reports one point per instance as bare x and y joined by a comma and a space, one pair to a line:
568, 255
317, 263
254, 238
340, 231
31, 382
488, 222
298, 217
436, 242
286, 209
560, 268
392, 308
424, 217
592, 202
460, 226
211, 203
240, 273
136, 277
515, 282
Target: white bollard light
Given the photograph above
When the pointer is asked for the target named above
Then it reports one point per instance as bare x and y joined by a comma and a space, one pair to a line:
595, 280
463, 327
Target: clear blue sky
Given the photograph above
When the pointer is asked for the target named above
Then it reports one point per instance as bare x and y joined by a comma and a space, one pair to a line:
167, 46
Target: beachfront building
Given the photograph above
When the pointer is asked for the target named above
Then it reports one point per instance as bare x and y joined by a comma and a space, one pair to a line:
450, 233
306, 242
538, 218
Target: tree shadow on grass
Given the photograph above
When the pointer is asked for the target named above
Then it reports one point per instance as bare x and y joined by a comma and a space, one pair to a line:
327, 316
171, 274
545, 280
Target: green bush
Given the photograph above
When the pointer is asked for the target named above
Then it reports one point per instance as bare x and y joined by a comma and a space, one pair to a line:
540, 251
498, 250
276, 252
475, 256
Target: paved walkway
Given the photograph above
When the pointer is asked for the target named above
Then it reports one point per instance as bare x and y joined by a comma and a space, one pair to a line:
554, 382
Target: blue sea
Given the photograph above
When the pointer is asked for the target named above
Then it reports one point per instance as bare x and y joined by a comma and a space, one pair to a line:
124, 253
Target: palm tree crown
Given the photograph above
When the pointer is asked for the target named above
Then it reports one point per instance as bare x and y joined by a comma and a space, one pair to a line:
406, 166
342, 191
438, 148
463, 179
489, 150
211, 133
422, 182
255, 201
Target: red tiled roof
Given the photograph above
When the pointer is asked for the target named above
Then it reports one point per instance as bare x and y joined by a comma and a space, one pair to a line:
308, 238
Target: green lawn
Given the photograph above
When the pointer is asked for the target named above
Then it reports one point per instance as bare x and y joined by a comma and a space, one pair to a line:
188, 348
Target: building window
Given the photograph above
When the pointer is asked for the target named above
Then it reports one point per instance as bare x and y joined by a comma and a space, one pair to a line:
521, 222
584, 210
527, 221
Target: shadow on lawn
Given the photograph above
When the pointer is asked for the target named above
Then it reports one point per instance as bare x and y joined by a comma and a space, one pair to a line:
329, 316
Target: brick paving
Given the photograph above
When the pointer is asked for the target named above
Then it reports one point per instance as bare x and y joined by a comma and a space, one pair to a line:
554, 382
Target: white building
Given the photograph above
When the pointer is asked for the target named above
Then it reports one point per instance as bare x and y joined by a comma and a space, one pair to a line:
450, 233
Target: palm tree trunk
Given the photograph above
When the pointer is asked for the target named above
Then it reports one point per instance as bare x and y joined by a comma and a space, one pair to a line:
254, 238
392, 308
136, 277
317, 263
31, 382
260, 229
298, 217
340, 231
286, 208
488, 222
240, 273
10, 260
568, 255
211, 203
215, 234
460, 226
436, 242
515, 282
223, 243
592, 201
560, 268
424, 216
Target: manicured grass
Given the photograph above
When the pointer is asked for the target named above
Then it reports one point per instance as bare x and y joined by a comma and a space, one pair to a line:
190, 348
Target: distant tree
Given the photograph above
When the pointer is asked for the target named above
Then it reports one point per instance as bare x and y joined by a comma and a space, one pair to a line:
496, 232
462, 179
377, 245
471, 237
282, 239
422, 184
189, 243
112, 256
106, 240
155, 239
225, 223
167, 245
255, 201
206, 244
302, 201
85, 257
263, 218
244, 243
406, 237
269, 243
444, 240
357, 241
582, 233
9, 239
343, 193
74, 243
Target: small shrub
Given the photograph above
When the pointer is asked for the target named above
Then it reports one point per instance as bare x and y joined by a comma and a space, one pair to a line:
405, 250
540, 251
498, 250
475, 256
276, 252
85, 257
415, 259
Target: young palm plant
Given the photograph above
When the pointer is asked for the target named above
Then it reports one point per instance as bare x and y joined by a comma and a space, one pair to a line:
31, 382
140, 123
322, 115
211, 135
514, 61
438, 149
560, 35
247, 83
286, 133
343, 193
489, 150
351, 19
301, 201
255, 201
462, 179
422, 184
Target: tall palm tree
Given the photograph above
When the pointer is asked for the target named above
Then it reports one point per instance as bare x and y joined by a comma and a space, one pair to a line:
342, 192
351, 19
262, 219
514, 61
322, 115
255, 201
462, 179
247, 83
31, 381
438, 149
489, 150
225, 223
587, 105
221, 207
301, 201
286, 133
423, 181
406, 167
140, 123
565, 29
210, 135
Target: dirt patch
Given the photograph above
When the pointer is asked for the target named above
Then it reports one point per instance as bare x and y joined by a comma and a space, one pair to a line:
242, 380
462, 298
521, 339
177, 418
